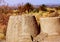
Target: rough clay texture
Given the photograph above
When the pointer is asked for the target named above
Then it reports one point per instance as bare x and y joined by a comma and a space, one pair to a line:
21, 28
50, 30
47, 38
